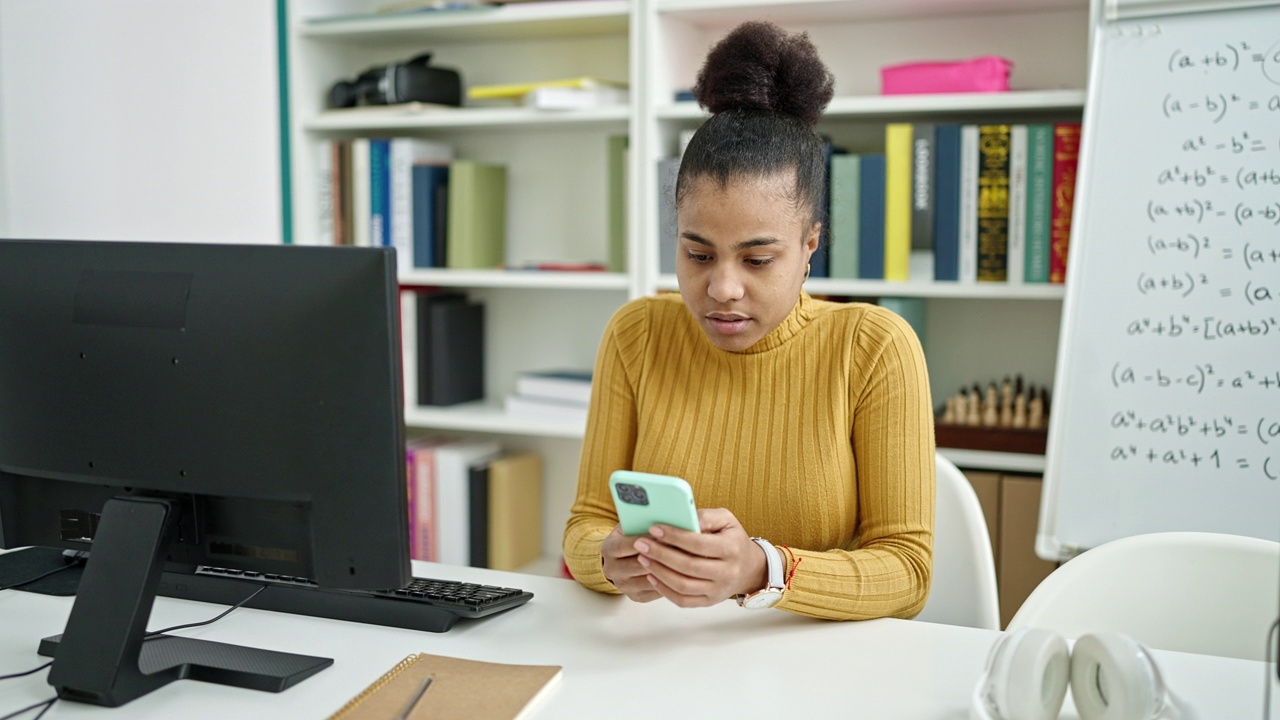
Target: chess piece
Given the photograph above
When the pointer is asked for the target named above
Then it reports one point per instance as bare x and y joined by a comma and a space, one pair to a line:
973, 414
1035, 411
991, 407
1006, 404
1020, 410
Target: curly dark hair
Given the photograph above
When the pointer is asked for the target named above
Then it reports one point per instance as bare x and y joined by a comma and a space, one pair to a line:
767, 90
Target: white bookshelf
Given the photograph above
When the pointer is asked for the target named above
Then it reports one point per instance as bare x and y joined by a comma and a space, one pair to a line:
558, 177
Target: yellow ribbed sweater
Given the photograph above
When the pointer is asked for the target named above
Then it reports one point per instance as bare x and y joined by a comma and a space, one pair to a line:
819, 437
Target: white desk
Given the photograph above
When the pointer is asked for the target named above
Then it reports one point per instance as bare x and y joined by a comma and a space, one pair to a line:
621, 660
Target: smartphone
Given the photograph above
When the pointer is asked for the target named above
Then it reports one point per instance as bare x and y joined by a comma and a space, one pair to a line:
643, 499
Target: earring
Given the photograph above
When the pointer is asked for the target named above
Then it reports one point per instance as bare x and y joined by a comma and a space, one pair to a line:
807, 268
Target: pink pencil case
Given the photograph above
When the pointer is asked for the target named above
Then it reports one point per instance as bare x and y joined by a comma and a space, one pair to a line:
988, 73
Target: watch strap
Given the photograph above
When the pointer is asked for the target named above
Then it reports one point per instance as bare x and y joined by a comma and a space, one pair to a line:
773, 562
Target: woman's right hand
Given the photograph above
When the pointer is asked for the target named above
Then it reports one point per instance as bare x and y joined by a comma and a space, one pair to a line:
622, 567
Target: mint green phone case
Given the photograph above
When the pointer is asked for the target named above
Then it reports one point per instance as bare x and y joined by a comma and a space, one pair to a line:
668, 500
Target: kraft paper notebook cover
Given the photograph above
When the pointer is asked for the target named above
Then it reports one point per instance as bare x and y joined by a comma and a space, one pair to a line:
459, 688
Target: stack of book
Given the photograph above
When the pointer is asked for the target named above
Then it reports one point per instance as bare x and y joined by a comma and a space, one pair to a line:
552, 394
472, 503
561, 94
944, 202
413, 195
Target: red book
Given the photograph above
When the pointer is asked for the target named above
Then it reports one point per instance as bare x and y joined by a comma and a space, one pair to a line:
1066, 154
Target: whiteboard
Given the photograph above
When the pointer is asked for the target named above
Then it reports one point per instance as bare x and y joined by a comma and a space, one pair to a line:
1167, 409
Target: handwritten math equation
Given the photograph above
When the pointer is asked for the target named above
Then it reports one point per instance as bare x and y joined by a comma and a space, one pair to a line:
1259, 437
1201, 378
1207, 328
1183, 284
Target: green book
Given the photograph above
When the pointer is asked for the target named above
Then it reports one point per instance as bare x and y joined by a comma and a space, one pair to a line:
1039, 202
843, 236
618, 203
477, 224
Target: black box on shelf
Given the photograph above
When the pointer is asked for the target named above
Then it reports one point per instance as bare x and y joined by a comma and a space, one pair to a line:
450, 349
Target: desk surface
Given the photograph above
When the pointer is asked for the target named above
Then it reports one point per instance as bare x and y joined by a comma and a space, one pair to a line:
621, 660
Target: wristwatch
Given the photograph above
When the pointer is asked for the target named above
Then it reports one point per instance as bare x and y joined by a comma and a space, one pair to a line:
772, 592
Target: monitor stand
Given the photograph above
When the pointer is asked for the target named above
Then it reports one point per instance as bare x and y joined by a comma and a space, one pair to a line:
104, 657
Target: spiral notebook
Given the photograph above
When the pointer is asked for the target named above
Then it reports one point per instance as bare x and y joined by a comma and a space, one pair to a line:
459, 688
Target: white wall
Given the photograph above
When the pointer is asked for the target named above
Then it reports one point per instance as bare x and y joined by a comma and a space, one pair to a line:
139, 119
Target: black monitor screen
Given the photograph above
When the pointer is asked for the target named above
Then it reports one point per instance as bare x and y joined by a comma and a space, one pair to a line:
254, 390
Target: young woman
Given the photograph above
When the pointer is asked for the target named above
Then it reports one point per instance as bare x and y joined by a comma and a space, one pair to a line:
804, 427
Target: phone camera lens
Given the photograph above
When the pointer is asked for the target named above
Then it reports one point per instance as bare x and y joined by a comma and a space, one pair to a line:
632, 494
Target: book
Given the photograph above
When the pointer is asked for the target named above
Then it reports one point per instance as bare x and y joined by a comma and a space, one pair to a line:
477, 225
572, 98
897, 201
546, 409
424, 543
923, 203
993, 203
1066, 153
668, 170
946, 196
430, 214
1039, 202
474, 689
404, 155
820, 260
843, 191
326, 192
617, 163
379, 192
515, 511
453, 463
871, 218
1017, 234
360, 202
518, 91
567, 385
450, 349
968, 264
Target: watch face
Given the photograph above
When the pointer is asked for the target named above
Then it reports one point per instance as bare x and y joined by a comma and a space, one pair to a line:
764, 599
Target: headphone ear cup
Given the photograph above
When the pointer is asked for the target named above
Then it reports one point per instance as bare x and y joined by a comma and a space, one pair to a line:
1113, 677
1025, 679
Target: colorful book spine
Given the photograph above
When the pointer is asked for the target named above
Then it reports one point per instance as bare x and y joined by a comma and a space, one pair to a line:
1039, 201
843, 218
360, 204
1066, 153
923, 202
380, 192
1016, 265
617, 166
405, 154
820, 260
477, 232
968, 204
946, 195
993, 203
897, 201
871, 218
430, 205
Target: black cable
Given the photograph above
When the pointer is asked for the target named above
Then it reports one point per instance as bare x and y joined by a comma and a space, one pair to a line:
226, 612
38, 577
32, 671
1266, 692
46, 703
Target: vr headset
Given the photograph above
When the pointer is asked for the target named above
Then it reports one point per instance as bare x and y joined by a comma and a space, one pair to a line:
411, 81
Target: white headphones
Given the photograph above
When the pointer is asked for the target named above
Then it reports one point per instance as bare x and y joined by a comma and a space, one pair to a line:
1112, 677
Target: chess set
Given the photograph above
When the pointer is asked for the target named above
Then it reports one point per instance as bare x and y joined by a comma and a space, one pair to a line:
1011, 416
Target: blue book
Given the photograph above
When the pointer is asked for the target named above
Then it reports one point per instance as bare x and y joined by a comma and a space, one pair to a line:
430, 186
871, 218
946, 194
379, 192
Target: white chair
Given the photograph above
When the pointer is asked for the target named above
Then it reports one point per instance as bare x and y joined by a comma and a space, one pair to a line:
963, 591
1204, 593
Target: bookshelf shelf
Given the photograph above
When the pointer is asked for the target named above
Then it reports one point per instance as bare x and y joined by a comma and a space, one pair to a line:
721, 12
488, 418
874, 107
881, 288
520, 279
417, 116
508, 22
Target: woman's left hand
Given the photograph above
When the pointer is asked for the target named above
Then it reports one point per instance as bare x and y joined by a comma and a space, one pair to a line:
702, 569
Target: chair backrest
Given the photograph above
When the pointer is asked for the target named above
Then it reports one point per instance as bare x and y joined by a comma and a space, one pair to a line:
1204, 593
963, 591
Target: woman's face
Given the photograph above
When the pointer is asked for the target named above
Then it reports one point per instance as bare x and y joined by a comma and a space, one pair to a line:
741, 256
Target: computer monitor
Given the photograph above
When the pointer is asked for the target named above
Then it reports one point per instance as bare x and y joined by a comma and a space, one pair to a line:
172, 405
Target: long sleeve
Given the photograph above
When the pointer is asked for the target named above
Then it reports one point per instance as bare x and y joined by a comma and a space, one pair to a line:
819, 438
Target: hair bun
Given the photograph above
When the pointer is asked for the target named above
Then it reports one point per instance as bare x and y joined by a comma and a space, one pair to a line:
758, 66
